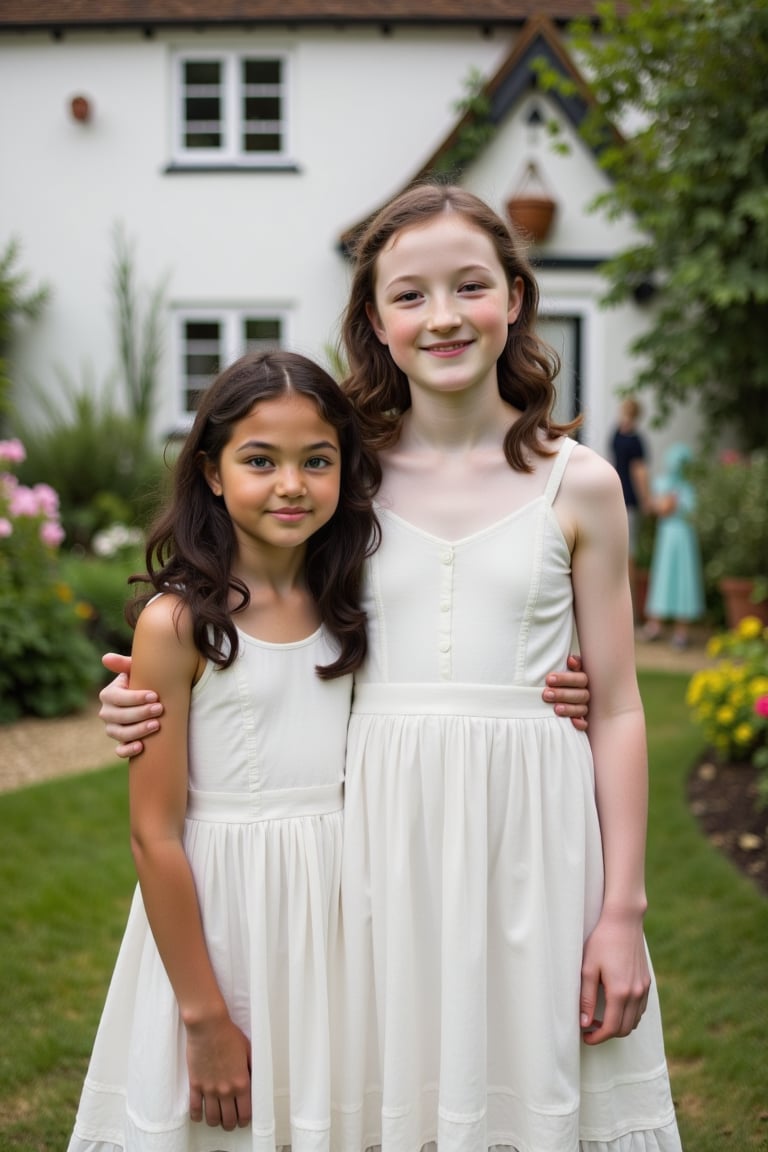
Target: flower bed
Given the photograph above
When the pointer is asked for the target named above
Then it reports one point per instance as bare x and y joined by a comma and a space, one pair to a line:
47, 665
729, 701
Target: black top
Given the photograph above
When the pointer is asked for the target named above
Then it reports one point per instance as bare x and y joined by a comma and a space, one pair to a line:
627, 446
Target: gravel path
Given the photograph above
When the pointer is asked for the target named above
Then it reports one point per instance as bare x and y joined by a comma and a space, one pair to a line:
32, 750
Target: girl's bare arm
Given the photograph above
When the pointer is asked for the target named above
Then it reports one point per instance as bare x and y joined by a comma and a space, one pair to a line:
218, 1053
131, 715
593, 515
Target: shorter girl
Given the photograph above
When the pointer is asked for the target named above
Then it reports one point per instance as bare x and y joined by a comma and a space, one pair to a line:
218, 1008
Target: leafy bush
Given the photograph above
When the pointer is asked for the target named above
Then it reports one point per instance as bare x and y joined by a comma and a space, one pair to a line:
47, 664
731, 516
98, 460
102, 582
17, 305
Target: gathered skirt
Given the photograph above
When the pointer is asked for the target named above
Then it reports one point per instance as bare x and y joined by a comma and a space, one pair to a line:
472, 875
269, 897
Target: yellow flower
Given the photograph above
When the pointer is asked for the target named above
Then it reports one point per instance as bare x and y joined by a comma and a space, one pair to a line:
722, 698
64, 592
84, 611
696, 688
758, 687
750, 628
744, 734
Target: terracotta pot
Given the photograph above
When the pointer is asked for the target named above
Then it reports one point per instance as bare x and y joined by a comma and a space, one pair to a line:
81, 108
737, 600
532, 215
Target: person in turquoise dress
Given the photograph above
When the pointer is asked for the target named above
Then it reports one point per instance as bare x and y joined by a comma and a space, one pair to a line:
676, 584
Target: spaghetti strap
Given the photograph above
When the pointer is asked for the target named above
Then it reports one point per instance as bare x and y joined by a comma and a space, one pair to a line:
558, 468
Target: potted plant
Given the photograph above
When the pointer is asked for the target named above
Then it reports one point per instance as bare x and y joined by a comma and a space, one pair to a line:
732, 522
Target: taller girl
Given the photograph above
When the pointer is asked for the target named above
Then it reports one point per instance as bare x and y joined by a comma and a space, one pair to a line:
493, 868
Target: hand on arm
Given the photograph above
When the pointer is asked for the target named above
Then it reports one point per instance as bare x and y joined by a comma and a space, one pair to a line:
614, 955
569, 692
218, 1053
129, 716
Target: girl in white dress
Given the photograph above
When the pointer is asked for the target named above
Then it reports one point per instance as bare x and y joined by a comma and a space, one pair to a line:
215, 1032
493, 868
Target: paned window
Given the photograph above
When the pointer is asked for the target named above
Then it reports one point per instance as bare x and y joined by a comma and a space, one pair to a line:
209, 340
231, 109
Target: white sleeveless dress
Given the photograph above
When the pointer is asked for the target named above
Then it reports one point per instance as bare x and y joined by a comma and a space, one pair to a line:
264, 838
472, 868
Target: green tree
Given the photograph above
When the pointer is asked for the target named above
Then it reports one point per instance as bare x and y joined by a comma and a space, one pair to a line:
17, 304
693, 74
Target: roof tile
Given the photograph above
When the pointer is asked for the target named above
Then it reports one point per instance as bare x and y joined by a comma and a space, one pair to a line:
17, 14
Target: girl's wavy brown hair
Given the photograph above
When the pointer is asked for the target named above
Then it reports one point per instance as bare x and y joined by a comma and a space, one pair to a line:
191, 547
526, 368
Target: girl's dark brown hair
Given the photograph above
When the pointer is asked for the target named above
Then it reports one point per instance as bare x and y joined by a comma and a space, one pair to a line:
191, 547
526, 368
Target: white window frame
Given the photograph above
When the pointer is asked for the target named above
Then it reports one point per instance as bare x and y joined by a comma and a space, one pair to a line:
231, 321
585, 308
230, 154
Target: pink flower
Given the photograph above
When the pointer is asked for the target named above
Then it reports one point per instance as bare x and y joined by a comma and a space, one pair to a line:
51, 533
761, 706
23, 502
47, 500
6, 528
12, 451
730, 456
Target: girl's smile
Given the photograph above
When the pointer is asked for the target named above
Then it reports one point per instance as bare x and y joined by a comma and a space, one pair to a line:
280, 472
443, 305
447, 350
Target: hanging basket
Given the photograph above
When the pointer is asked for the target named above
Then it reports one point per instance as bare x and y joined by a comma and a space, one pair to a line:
531, 208
532, 215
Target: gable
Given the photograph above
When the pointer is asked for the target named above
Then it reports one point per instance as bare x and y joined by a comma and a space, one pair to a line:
516, 78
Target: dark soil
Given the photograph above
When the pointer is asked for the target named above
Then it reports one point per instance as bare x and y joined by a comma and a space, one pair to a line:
723, 798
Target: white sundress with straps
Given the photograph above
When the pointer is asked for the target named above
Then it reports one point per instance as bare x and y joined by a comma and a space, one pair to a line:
472, 868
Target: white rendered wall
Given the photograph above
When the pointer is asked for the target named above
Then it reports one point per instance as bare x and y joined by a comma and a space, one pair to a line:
366, 110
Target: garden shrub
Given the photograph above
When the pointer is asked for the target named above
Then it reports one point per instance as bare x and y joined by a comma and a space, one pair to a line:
48, 666
101, 580
99, 461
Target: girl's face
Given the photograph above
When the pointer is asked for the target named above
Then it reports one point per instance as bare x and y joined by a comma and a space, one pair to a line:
442, 304
280, 473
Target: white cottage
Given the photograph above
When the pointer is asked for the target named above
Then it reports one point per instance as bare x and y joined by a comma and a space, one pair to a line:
238, 142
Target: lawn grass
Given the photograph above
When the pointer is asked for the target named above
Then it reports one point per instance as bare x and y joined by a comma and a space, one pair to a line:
707, 928
66, 877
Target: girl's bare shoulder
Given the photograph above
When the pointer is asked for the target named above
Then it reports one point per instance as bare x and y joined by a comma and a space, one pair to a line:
589, 474
166, 617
